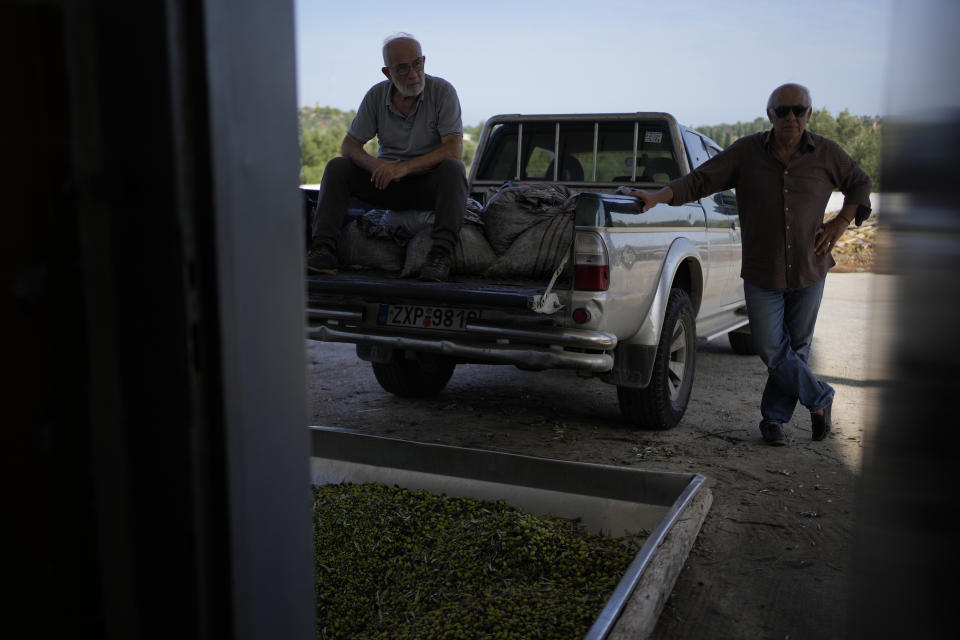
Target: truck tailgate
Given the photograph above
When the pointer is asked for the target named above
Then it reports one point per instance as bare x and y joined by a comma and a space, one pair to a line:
472, 294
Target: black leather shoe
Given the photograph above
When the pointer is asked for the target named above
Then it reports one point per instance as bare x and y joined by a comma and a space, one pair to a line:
322, 260
773, 433
820, 423
437, 266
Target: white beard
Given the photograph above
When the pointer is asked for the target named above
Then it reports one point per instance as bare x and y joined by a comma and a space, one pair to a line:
410, 93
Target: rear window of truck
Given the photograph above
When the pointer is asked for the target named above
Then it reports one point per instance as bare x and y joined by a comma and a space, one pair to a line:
579, 152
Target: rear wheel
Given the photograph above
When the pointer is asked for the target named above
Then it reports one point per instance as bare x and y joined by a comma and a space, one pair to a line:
416, 378
663, 402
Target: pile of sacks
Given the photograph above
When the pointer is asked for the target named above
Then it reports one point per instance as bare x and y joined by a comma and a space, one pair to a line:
522, 232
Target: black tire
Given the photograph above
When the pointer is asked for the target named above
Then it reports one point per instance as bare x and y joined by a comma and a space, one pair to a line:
413, 378
663, 402
742, 342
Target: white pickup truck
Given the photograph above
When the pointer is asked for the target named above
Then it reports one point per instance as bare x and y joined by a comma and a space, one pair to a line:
576, 277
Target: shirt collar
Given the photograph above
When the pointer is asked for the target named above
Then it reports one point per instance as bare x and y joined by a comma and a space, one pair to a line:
806, 139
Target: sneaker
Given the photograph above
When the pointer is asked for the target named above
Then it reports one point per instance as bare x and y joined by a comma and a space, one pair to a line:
821, 423
437, 266
322, 260
773, 433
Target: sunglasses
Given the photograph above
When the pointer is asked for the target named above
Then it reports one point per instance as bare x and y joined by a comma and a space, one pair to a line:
798, 110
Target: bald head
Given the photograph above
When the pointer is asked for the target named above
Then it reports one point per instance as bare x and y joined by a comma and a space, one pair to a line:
790, 90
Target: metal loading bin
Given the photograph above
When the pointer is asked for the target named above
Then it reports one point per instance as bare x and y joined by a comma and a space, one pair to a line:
607, 499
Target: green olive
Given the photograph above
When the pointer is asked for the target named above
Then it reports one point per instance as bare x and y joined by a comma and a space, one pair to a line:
397, 563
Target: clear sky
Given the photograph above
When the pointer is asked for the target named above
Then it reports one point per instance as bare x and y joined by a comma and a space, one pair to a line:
706, 62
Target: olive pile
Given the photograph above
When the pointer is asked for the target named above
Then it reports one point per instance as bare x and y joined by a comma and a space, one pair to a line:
393, 563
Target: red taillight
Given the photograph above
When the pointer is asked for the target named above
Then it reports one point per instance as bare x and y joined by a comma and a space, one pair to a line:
591, 271
589, 277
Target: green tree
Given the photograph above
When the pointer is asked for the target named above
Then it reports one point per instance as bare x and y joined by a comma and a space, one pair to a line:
322, 130
849, 128
474, 131
858, 136
317, 147
866, 151
726, 134
822, 123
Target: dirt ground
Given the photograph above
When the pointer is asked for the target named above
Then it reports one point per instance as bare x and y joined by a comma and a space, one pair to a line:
773, 559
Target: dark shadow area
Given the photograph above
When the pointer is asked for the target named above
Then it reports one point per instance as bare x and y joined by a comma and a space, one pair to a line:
906, 558
153, 445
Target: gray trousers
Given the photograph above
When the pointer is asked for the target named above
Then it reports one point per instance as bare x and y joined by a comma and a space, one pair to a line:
442, 190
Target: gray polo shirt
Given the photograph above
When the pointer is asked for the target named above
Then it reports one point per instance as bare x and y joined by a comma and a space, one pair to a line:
436, 115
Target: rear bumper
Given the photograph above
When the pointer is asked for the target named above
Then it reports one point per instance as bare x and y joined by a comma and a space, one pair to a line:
541, 347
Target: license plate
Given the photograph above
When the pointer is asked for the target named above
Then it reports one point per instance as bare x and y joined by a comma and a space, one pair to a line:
411, 315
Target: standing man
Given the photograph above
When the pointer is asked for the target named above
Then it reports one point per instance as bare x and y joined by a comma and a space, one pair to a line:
783, 179
417, 120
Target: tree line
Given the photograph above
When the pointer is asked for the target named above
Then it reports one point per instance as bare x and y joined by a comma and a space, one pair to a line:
859, 136
322, 129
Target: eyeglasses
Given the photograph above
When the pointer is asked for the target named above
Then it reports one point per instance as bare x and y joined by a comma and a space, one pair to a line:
403, 68
798, 110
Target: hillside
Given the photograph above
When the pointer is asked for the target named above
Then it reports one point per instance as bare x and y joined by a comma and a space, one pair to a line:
323, 118
322, 129
859, 136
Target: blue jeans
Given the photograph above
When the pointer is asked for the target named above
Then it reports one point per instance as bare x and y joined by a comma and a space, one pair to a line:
781, 323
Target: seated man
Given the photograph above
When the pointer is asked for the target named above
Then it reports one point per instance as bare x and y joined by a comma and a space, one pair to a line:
417, 120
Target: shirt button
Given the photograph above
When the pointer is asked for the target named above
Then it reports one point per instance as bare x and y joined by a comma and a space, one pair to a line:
786, 191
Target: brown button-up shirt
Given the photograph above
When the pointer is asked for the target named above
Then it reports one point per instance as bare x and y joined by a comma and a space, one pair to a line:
781, 206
